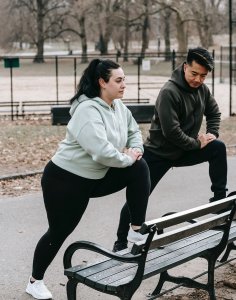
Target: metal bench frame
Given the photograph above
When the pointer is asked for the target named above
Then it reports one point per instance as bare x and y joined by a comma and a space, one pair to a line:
120, 274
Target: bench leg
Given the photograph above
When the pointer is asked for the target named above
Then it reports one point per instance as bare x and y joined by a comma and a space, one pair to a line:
163, 277
71, 289
188, 282
181, 280
126, 298
211, 279
231, 246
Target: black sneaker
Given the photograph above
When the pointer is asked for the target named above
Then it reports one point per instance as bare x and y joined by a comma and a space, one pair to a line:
232, 194
118, 246
222, 210
217, 197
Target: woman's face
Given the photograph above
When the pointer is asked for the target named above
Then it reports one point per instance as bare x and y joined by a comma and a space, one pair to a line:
115, 87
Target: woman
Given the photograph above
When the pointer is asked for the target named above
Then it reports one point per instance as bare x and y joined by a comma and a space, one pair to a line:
101, 154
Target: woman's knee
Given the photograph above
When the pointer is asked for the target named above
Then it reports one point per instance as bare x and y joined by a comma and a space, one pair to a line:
140, 172
141, 166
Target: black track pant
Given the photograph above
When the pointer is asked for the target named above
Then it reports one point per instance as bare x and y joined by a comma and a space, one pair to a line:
214, 153
66, 197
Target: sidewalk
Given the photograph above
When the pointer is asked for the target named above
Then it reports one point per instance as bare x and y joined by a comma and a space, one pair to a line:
23, 220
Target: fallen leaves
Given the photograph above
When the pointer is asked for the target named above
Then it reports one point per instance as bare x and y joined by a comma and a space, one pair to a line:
27, 145
17, 187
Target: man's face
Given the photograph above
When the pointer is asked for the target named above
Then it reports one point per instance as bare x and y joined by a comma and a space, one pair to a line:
195, 74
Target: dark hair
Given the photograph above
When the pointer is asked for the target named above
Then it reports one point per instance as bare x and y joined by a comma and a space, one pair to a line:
202, 57
88, 83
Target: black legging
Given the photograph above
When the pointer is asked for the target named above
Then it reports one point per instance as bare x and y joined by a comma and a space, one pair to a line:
66, 197
214, 153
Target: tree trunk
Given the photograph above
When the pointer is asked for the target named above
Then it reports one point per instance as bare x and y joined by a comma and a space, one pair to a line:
145, 28
205, 24
108, 33
167, 34
83, 37
40, 40
102, 47
181, 38
127, 33
205, 32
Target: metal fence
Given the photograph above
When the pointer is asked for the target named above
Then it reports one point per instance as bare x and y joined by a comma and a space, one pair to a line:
32, 88
224, 60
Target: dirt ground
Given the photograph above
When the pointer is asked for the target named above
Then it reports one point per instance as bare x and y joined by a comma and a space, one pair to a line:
26, 146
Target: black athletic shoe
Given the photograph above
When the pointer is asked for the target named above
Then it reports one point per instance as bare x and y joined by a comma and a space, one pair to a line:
118, 246
222, 210
217, 197
232, 194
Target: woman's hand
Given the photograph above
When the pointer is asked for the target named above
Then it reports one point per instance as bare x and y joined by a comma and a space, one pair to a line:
135, 154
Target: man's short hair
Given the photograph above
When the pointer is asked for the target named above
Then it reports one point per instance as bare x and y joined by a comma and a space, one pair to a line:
201, 56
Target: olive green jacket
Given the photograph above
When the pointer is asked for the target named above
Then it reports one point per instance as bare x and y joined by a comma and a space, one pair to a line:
178, 116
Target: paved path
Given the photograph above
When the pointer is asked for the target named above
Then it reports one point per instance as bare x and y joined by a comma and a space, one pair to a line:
23, 220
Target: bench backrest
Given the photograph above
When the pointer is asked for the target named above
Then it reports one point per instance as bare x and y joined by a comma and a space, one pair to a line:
210, 214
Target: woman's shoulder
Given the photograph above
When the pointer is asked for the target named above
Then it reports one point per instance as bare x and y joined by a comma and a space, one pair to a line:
89, 102
119, 103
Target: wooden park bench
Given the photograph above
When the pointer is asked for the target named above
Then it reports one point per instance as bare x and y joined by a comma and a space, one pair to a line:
142, 113
172, 240
40, 106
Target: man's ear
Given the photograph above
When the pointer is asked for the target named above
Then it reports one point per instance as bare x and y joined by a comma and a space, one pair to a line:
185, 66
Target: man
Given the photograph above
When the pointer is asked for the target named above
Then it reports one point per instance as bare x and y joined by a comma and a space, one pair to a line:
174, 137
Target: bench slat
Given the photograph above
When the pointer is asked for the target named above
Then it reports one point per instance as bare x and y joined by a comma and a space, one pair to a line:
181, 233
106, 275
173, 257
187, 215
176, 257
181, 244
95, 269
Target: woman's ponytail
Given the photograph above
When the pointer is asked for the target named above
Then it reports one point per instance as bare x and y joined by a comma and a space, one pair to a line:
89, 81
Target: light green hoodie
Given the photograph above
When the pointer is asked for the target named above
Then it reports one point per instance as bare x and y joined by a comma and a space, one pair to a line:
96, 136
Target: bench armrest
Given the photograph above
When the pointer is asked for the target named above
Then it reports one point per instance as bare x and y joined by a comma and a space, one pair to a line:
128, 258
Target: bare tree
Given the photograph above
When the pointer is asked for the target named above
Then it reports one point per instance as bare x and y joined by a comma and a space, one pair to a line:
122, 36
80, 11
105, 12
183, 15
134, 16
12, 26
145, 27
166, 17
119, 21
127, 29
44, 19
208, 18
6, 31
